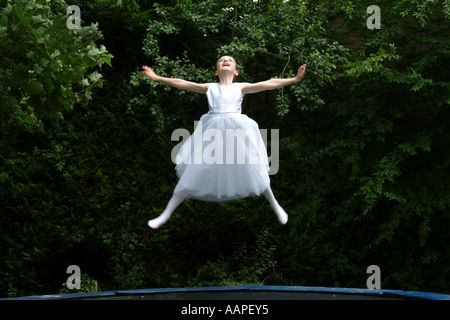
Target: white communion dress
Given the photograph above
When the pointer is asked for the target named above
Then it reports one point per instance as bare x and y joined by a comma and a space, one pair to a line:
225, 158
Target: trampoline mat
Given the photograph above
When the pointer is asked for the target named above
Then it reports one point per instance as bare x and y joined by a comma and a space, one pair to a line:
247, 295
261, 293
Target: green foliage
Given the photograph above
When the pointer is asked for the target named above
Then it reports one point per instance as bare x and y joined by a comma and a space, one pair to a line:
243, 267
86, 152
45, 65
47, 70
87, 284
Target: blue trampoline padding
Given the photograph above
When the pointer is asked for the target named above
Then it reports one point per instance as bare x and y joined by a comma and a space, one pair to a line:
293, 289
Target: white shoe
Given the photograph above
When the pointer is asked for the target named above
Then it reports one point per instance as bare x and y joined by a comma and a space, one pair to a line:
281, 214
157, 222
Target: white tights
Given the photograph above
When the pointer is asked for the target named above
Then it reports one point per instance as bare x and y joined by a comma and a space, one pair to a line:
178, 198
174, 202
279, 211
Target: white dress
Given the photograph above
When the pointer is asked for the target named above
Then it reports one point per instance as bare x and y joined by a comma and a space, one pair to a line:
225, 158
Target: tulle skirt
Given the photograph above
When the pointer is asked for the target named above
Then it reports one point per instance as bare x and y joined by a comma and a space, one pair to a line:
224, 159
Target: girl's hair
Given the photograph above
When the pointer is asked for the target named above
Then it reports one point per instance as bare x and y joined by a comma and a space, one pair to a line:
237, 68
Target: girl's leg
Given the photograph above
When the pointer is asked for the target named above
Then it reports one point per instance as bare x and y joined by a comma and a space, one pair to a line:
174, 202
279, 211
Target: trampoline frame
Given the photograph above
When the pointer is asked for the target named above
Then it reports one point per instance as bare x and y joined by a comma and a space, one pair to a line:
400, 294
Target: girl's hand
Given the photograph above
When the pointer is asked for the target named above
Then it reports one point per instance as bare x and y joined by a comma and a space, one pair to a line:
300, 73
149, 72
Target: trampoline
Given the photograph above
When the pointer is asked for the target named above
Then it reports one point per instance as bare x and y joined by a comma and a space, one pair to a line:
243, 302
261, 293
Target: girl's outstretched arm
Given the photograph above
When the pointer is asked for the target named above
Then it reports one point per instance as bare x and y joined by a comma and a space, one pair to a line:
176, 83
272, 83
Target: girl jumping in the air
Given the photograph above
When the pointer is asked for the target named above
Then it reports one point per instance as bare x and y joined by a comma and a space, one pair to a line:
234, 164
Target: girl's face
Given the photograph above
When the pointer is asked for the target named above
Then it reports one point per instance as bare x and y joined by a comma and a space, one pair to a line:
226, 63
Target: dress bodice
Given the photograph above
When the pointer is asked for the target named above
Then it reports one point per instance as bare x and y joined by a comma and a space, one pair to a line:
224, 99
